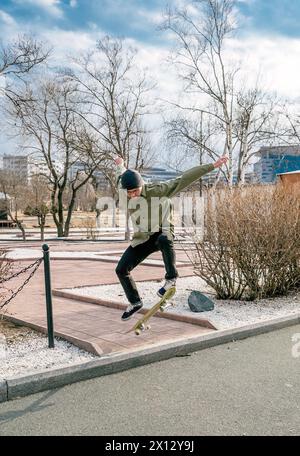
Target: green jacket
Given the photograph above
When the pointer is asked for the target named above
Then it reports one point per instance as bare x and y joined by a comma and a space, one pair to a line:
153, 211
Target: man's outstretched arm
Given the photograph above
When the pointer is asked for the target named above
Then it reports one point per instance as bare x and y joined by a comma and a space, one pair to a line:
120, 169
171, 187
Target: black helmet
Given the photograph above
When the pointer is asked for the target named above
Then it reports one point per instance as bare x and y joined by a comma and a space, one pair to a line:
131, 179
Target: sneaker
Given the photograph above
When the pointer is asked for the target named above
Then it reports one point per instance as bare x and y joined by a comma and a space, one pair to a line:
168, 284
131, 309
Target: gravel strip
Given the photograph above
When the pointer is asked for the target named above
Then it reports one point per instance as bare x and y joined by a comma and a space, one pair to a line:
28, 353
226, 314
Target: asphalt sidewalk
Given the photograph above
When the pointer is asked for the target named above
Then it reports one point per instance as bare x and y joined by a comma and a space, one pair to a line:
250, 387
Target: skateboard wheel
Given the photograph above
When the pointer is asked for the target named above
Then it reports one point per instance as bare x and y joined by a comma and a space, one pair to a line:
137, 332
142, 327
148, 327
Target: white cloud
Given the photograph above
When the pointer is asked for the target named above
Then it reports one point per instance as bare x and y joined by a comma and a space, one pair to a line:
68, 42
51, 6
7, 19
154, 17
73, 3
276, 58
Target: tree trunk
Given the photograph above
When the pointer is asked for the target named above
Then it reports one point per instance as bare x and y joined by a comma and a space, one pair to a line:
20, 226
242, 161
242, 176
98, 224
229, 152
60, 211
59, 225
239, 169
42, 222
69, 215
114, 216
17, 222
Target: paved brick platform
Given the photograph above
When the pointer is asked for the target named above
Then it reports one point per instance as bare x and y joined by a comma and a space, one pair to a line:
98, 329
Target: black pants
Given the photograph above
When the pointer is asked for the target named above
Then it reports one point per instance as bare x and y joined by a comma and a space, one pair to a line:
135, 255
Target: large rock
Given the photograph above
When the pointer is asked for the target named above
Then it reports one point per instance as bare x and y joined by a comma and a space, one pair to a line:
198, 302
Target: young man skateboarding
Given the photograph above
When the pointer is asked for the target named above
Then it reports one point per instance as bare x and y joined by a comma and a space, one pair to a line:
153, 229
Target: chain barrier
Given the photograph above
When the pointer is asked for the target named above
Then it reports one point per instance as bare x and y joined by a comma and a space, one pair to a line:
21, 271
35, 267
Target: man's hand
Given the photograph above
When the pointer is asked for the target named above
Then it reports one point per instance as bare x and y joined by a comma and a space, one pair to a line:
119, 161
221, 161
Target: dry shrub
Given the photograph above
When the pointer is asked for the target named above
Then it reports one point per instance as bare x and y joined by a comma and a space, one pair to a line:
252, 243
89, 224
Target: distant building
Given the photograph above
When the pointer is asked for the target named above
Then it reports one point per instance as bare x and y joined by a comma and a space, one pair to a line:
74, 169
153, 174
156, 174
101, 181
208, 180
27, 166
276, 160
38, 167
17, 164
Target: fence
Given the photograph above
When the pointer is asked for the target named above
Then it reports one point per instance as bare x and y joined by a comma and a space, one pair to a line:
33, 267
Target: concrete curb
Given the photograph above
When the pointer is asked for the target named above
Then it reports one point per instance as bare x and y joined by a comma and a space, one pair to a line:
20, 386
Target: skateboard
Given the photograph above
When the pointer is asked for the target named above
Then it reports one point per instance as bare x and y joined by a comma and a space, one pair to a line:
141, 324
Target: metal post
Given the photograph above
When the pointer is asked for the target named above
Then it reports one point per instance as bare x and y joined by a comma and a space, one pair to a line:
48, 296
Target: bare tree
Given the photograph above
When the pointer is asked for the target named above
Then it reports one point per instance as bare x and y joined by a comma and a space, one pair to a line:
289, 124
193, 137
115, 97
199, 56
14, 188
114, 100
86, 195
46, 117
243, 117
18, 58
38, 201
256, 122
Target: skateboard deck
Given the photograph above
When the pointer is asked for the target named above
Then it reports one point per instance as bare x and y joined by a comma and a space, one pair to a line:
140, 325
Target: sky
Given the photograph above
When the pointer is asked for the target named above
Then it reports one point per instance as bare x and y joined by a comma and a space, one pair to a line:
268, 39
137, 18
